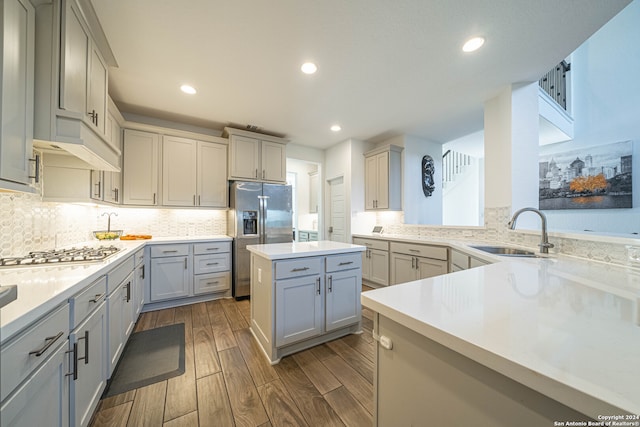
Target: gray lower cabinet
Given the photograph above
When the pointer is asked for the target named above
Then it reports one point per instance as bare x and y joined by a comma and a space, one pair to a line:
411, 262
300, 302
189, 270
88, 346
33, 369
300, 316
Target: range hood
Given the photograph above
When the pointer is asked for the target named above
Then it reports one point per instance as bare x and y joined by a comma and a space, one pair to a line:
84, 144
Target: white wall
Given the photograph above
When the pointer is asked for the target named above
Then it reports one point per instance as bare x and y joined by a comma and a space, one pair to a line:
606, 108
419, 209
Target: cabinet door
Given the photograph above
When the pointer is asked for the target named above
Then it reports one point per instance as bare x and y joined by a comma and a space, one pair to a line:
140, 160
96, 185
111, 186
43, 399
97, 91
138, 291
116, 320
86, 389
382, 199
366, 265
74, 63
299, 309
370, 182
430, 267
244, 161
274, 161
402, 268
343, 299
212, 175
16, 90
178, 171
379, 267
170, 278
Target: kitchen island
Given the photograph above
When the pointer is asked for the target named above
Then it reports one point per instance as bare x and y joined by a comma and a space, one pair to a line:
527, 342
304, 294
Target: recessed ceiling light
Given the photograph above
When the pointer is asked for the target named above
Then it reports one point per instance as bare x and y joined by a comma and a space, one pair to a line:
336, 128
309, 68
188, 89
473, 44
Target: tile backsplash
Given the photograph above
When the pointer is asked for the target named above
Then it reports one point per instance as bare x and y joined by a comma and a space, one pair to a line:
29, 224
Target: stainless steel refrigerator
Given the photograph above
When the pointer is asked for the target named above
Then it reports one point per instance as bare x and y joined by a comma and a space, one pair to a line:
260, 213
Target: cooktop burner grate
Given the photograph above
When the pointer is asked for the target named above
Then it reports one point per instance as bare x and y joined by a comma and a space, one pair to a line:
56, 256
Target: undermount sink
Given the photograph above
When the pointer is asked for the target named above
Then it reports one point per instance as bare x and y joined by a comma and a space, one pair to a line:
504, 251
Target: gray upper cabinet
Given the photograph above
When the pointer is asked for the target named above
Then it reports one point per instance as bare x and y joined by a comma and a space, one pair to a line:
383, 178
71, 83
16, 105
256, 157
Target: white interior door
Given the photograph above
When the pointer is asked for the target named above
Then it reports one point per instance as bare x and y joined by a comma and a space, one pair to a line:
337, 217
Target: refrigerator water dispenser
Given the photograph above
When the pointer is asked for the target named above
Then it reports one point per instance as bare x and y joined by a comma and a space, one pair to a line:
249, 223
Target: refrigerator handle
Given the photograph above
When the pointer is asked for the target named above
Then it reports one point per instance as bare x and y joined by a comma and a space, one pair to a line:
262, 218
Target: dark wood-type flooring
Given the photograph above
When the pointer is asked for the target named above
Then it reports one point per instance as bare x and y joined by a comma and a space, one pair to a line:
229, 382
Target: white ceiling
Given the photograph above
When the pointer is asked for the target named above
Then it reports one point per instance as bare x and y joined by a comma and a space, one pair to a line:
384, 67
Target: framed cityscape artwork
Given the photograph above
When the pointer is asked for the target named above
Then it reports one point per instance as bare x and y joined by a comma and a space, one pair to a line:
587, 178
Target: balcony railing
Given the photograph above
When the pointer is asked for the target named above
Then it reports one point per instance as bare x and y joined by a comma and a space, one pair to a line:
555, 83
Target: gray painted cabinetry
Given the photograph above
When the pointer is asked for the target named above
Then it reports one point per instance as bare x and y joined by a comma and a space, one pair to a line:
301, 302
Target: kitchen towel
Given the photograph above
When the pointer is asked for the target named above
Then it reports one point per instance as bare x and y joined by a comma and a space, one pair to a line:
149, 357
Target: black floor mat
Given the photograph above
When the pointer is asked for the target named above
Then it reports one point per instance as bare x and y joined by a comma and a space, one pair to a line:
149, 356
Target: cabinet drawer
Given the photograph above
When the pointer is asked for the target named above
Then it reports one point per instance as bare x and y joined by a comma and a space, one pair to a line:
435, 252
343, 262
86, 301
298, 267
211, 248
474, 262
138, 257
372, 243
211, 263
313, 237
459, 260
159, 251
118, 274
303, 237
44, 337
209, 283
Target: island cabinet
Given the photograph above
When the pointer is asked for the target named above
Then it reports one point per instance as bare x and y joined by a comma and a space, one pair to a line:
411, 262
448, 388
459, 261
300, 302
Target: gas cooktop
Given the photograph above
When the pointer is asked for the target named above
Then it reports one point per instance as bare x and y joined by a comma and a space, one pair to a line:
58, 256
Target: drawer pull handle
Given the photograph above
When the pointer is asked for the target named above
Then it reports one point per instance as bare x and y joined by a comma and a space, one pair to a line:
213, 263
299, 269
346, 263
97, 298
75, 362
414, 250
318, 285
169, 252
48, 343
213, 249
86, 348
213, 283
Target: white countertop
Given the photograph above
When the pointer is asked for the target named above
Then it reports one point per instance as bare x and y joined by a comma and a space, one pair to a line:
566, 327
42, 288
274, 251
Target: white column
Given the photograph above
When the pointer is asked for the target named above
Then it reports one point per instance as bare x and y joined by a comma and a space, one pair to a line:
511, 149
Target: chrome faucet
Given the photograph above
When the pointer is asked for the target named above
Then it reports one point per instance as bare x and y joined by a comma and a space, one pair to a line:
544, 242
109, 219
